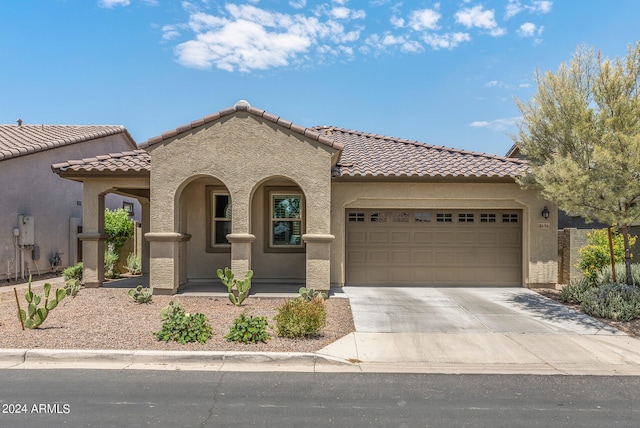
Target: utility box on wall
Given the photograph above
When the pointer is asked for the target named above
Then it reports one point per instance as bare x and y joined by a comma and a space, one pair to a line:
25, 224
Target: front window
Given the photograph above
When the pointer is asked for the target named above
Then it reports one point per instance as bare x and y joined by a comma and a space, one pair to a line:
219, 217
286, 220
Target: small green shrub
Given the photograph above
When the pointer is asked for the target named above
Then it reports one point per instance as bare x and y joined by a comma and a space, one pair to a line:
299, 317
141, 295
310, 294
596, 254
615, 301
572, 293
605, 276
134, 264
183, 327
248, 330
111, 258
73, 272
72, 287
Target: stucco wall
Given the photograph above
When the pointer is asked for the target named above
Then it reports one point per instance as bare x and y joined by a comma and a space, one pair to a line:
29, 187
243, 153
539, 235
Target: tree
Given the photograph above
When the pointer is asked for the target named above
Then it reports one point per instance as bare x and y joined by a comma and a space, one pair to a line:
118, 227
581, 133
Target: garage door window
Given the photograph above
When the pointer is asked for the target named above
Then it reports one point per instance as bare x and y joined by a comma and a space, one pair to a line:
509, 218
444, 217
465, 218
487, 218
422, 217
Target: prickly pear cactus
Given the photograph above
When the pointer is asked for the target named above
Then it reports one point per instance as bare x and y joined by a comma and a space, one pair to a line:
34, 316
141, 295
238, 288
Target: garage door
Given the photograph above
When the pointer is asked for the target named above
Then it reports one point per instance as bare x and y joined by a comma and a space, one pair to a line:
434, 247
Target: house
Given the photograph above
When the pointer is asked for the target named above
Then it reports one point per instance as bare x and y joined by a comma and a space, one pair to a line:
319, 206
40, 212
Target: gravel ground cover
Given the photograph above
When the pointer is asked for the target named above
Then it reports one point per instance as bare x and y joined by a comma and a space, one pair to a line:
107, 318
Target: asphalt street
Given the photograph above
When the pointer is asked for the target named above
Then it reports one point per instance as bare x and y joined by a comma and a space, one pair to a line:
137, 398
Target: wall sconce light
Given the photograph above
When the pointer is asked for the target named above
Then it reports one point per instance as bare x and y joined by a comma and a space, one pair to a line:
545, 212
128, 207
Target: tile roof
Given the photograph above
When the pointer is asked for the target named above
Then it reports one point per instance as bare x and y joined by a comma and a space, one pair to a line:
133, 161
371, 155
243, 105
20, 140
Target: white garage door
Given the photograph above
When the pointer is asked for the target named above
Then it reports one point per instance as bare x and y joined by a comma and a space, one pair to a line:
434, 247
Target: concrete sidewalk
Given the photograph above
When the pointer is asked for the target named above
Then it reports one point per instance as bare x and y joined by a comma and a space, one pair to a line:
434, 330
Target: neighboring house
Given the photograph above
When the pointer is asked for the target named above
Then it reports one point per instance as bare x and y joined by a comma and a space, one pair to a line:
40, 213
320, 206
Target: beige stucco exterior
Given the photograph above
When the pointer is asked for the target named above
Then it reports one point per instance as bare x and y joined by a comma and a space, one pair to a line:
247, 156
55, 204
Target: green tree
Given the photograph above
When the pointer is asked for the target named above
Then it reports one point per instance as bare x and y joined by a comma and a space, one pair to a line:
581, 133
119, 227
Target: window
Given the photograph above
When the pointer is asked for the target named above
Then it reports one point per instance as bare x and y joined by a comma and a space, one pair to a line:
286, 220
379, 217
422, 217
400, 217
487, 218
465, 218
356, 217
509, 218
219, 219
444, 217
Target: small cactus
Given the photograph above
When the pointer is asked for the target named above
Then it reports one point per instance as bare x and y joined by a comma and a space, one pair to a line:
309, 294
170, 310
238, 288
34, 316
141, 295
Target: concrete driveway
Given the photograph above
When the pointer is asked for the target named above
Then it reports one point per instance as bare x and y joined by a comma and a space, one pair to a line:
479, 330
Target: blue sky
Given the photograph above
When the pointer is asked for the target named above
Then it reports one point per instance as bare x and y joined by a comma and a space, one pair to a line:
444, 73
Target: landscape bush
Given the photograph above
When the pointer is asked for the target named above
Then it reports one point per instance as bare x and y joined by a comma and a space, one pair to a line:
300, 317
134, 264
572, 293
73, 272
614, 301
596, 255
605, 276
248, 330
182, 327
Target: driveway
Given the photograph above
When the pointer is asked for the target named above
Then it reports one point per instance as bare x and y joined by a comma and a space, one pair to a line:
468, 310
479, 330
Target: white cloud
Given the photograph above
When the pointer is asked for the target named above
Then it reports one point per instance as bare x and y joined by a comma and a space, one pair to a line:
424, 19
381, 43
477, 17
445, 41
245, 38
396, 21
513, 8
492, 84
528, 29
346, 13
500, 125
110, 4
541, 6
297, 4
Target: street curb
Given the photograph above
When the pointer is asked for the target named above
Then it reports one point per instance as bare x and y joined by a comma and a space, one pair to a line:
17, 357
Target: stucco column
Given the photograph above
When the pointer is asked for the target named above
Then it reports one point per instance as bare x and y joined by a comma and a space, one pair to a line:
240, 252
93, 237
318, 260
165, 258
146, 227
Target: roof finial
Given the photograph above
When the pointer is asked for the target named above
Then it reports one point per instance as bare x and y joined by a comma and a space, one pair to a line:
242, 105
19, 122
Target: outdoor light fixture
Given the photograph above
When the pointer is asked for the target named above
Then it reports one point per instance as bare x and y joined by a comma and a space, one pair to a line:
545, 212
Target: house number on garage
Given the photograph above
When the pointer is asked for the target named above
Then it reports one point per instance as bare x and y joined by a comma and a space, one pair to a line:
543, 225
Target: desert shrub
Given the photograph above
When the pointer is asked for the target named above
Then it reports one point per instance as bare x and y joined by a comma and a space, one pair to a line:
183, 327
134, 264
605, 276
311, 293
300, 317
613, 301
110, 261
73, 272
248, 330
140, 294
596, 254
572, 293
72, 287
